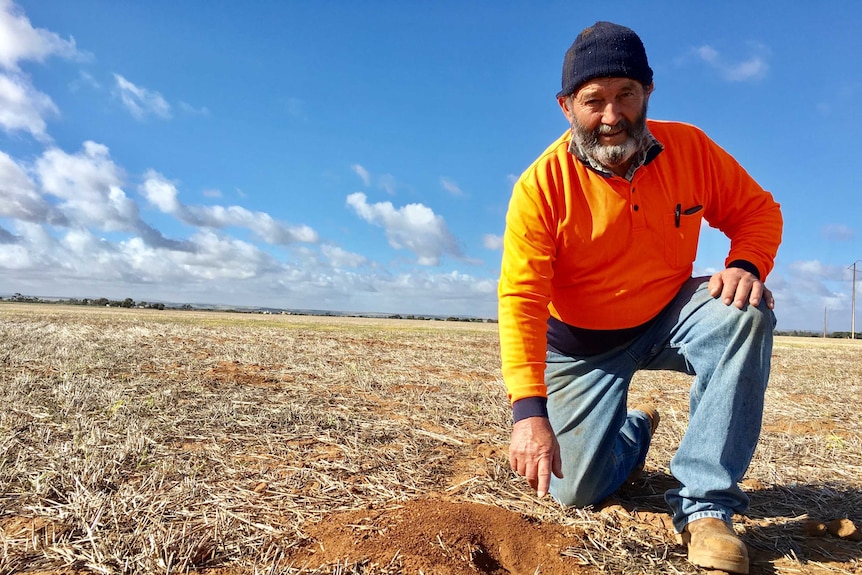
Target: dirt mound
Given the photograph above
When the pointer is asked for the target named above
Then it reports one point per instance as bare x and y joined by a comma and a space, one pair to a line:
442, 537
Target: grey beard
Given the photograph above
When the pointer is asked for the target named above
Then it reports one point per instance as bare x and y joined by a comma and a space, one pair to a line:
610, 156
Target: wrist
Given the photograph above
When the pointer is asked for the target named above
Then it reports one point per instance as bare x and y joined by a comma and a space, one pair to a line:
745, 265
529, 407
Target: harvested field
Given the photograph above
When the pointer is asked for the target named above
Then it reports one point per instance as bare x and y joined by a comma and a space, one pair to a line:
139, 441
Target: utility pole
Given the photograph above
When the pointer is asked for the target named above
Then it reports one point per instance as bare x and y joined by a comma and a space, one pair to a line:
825, 316
853, 303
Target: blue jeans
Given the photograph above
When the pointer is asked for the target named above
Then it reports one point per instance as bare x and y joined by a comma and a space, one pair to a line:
728, 352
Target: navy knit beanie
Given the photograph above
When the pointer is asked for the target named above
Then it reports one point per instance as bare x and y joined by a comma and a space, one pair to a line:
604, 50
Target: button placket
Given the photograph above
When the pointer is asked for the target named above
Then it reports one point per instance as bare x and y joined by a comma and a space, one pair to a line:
638, 220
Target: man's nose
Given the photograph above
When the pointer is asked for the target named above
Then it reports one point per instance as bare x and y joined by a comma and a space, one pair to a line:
611, 114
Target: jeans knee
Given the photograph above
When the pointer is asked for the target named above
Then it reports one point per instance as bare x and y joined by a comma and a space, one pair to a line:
577, 492
758, 321
750, 322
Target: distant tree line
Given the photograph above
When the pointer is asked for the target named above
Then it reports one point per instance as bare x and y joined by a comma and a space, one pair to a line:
450, 318
96, 302
831, 335
130, 303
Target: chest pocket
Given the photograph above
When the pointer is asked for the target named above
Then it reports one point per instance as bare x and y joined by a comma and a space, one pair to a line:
680, 241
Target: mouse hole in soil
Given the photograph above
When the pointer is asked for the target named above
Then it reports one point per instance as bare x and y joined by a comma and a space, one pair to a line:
483, 561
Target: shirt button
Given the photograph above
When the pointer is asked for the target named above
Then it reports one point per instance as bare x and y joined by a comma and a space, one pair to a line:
635, 207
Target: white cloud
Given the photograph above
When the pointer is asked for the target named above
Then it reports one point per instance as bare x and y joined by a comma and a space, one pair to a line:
806, 290
6, 237
262, 224
89, 186
838, 232
751, 68
14, 257
451, 187
452, 293
362, 173
20, 41
207, 260
35, 249
492, 242
816, 270
79, 257
19, 197
85, 79
226, 271
341, 258
197, 111
414, 227
141, 102
23, 108
163, 194
707, 54
808, 281
387, 183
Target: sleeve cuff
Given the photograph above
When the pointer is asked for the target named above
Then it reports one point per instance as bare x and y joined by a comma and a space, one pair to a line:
529, 407
745, 265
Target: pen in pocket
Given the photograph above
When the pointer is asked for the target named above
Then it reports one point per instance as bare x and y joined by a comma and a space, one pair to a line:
678, 211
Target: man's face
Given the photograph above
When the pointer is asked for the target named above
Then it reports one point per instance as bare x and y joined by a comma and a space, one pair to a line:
608, 117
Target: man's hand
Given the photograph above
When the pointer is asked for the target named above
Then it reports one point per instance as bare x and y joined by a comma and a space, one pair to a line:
535, 453
737, 286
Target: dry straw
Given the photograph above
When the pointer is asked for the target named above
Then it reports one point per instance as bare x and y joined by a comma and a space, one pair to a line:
138, 441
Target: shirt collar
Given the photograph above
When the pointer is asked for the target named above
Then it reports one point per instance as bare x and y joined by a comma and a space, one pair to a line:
649, 148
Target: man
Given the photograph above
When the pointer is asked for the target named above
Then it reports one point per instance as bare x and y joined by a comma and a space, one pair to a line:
595, 284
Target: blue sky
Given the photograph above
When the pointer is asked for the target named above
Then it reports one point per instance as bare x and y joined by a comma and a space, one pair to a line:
359, 156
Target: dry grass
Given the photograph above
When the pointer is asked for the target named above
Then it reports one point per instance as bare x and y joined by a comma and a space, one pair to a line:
137, 441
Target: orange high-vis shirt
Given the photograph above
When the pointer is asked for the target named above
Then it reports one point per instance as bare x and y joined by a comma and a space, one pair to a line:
604, 253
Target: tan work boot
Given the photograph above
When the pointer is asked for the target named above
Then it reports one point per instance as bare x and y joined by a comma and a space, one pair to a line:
652, 413
713, 544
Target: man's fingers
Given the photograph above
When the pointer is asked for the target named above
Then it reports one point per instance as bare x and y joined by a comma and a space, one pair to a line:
767, 295
756, 293
728, 293
715, 285
557, 467
739, 288
544, 477
743, 293
536, 472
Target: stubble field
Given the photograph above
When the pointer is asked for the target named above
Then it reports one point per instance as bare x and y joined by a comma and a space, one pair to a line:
143, 441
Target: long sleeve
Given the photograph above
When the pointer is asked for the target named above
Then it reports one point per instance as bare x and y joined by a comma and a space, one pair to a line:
744, 212
524, 293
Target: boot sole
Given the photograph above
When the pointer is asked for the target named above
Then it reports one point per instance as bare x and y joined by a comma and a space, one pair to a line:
708, 560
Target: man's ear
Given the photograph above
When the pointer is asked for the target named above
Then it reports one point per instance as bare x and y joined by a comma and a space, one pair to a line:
564, 102
648, 90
